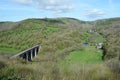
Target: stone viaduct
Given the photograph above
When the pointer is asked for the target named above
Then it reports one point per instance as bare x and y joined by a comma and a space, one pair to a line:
28, 54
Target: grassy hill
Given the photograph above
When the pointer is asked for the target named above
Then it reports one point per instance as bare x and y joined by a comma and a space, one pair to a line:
56, 36
63, 55
37, 29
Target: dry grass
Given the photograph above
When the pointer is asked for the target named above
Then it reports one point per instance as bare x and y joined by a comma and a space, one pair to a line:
51, 70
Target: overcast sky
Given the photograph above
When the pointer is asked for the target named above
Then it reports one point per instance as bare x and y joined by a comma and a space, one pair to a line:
16, 10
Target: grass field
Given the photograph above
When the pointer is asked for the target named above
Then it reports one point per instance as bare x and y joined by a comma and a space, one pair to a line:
9, 50
88, 55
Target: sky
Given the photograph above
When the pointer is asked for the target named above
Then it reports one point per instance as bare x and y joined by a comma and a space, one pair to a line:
87, 10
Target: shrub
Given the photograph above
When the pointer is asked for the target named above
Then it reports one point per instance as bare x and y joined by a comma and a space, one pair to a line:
114, 65
100, 72
2, 64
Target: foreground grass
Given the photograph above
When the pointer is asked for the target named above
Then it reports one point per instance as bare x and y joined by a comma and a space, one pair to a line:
15, 70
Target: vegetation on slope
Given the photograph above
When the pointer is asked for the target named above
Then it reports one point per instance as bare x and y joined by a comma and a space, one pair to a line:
110, 30
63, 55
26, 36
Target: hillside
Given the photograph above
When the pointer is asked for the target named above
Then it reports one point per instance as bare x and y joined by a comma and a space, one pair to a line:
64, 54
110, 30
33, 31
56, 36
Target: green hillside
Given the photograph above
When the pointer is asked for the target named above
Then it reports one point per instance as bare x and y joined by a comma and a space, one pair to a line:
54, 35
64, 54
58, 35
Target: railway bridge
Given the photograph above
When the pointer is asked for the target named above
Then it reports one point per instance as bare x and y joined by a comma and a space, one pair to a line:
28, 54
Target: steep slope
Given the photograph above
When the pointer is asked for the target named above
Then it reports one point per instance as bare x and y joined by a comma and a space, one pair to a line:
110, 30
29, 32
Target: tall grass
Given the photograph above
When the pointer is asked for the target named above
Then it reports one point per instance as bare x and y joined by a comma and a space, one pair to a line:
14, 70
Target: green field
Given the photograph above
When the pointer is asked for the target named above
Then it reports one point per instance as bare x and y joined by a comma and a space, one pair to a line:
88, 55
9, 50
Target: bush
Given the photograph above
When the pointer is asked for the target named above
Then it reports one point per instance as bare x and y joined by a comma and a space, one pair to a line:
2, 64
100, 72
114, 65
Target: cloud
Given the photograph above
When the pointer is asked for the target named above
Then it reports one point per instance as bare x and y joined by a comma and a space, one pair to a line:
16, 8
57, 6
24, 2
95, 13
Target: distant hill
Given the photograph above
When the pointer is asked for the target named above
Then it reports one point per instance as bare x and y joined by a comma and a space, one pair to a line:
6, 25
28, 22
